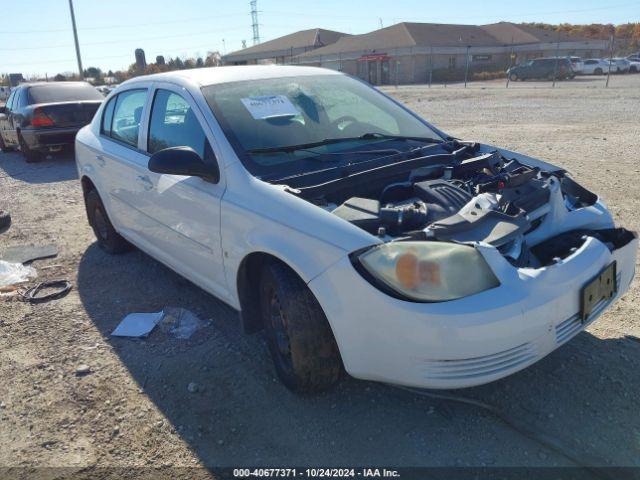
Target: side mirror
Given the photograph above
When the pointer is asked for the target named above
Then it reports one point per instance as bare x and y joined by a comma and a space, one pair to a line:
183, 161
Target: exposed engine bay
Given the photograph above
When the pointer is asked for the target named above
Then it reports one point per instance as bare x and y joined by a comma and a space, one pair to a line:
478, 197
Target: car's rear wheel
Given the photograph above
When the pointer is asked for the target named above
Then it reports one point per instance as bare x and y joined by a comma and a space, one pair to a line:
108, 239
301, 343
597, 71
30, 156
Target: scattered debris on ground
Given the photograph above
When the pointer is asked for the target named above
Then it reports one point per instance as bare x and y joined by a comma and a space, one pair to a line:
12, 273
176, 322
28, 253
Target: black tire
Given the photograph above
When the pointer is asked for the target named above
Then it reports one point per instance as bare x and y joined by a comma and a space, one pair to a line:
597, 71
5, 220
30, 156
513, 77
108, 239
301, 343
4, 147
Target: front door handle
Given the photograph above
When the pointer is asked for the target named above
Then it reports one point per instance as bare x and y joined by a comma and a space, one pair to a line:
100, 160
145, 181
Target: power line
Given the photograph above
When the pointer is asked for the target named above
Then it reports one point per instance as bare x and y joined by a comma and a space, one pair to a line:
136, 39
457, 17
110, 57
133, 25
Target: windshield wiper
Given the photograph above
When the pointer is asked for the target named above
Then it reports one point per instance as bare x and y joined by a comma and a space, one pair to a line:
384, 136
301, 146
327, 141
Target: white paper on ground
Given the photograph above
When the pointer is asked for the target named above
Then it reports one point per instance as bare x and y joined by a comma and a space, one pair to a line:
270, 106
137, 324
11, 273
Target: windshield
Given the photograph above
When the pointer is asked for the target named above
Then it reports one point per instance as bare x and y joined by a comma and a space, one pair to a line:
61, 92
319, 117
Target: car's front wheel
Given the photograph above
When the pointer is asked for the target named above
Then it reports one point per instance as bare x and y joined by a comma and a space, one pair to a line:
598, 71
108, 239
300, 340
513, 77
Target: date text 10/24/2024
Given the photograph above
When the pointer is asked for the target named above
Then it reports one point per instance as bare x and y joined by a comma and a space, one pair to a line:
316, 473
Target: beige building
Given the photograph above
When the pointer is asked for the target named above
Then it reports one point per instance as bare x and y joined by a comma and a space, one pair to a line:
283, 49
417, 52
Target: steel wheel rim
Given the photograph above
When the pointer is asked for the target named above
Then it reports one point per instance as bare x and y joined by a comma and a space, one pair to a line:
101, 224
280, 337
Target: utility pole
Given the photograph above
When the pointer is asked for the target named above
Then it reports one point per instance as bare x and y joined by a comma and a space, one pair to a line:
254, 21
511, 58
555, 65
613, 37
75, 38
466, 67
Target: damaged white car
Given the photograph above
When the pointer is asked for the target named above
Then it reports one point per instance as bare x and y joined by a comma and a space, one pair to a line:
354, 233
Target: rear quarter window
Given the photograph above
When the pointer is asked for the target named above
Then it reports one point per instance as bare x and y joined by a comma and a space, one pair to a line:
107, 117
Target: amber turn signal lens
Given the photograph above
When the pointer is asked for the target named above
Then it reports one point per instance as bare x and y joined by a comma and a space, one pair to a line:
407, 271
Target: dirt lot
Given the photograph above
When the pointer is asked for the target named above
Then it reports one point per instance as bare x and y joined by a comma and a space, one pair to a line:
134, 408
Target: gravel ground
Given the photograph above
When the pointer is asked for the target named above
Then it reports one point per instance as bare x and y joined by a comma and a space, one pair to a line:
134, 408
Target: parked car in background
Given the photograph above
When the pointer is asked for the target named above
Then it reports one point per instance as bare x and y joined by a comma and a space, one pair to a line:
104, 90
349, 229
542, 68
576, 65
44, 117
4, 93
619, 65
634, 64
595, 66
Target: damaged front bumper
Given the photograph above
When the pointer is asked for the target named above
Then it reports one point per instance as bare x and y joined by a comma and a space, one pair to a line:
473, 340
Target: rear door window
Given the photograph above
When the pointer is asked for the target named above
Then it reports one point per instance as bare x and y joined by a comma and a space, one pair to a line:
10, 100
174, 124
127, 115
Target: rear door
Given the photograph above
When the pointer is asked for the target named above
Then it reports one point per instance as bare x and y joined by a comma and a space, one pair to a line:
537, 69
12, 113
4, 119
121, 164
185, 210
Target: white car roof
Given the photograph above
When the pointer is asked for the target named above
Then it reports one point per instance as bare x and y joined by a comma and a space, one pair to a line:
215, 75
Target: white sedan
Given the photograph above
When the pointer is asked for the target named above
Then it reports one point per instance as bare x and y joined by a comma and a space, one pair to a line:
357, 235
596, 66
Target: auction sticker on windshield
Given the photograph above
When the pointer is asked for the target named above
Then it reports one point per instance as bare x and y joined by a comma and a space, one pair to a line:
270, 106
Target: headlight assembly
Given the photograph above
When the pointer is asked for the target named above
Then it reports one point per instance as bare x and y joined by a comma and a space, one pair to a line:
428, 271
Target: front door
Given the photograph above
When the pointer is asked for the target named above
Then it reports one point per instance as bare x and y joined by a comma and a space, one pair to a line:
186, 210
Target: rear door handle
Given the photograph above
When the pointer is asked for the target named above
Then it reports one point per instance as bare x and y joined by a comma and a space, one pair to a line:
100, 160
145, 181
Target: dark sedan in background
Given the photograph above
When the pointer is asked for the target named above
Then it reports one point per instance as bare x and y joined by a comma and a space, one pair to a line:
40, 118
542, 68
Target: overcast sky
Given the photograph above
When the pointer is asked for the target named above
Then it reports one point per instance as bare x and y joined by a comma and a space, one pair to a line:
36, 36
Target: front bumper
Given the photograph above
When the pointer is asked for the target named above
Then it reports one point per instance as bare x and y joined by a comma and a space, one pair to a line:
473, 340
45, 139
